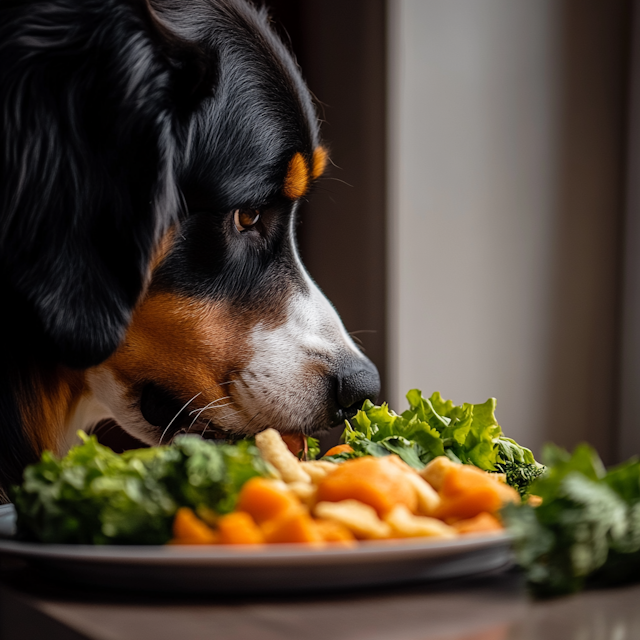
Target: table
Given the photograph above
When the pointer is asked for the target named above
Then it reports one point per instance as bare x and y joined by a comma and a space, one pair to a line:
489, 607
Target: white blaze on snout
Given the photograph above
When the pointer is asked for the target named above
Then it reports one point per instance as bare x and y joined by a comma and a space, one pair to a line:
287, 382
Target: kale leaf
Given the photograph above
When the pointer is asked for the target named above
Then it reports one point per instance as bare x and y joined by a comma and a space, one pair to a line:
587, 529
95, 496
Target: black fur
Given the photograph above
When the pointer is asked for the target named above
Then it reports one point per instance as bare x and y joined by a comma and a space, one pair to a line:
109, 108
120, 117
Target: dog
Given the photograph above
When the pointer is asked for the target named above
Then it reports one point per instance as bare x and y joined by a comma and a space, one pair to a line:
154, 156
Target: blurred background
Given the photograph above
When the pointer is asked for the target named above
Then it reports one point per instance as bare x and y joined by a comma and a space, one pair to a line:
479, 230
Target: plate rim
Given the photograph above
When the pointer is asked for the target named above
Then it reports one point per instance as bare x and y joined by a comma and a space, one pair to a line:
242, 555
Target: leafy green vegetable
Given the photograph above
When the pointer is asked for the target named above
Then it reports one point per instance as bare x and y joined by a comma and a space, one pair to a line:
313, 448
95, 496
520, 475
434, 427
587, 529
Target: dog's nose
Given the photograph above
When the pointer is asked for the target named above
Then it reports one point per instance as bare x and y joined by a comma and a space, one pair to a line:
358, 380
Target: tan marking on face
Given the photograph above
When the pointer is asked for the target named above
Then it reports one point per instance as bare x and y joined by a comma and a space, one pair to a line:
318, 162
296, 182
189, 346
45, 403
182, 343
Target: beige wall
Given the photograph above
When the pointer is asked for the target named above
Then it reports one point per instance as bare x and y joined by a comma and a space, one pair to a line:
506, 147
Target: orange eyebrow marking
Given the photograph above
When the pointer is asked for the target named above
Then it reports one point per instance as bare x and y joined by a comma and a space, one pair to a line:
318, 162
296, 182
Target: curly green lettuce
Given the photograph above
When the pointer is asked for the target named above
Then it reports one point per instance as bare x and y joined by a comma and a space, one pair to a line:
95, 496
431, 427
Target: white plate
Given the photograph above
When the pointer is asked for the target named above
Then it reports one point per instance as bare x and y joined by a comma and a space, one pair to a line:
277, 568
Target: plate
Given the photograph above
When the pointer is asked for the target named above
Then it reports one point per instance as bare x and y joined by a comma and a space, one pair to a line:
262, 569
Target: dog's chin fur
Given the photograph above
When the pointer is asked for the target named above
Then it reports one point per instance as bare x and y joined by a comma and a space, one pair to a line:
137, 136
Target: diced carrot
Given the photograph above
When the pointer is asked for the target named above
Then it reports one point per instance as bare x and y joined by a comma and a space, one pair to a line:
378, 482
294, 526
239, 528
463, 477
265, 499
469, 503
483, 522
340, 448
332, 531
189, 529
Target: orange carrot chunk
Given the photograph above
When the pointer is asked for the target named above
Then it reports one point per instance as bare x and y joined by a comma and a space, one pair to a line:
462, 478
467, 491
340, 448
332, 531
377, 482
482, 523
469, 504
294, 526
239, 528
265, 499
189, 529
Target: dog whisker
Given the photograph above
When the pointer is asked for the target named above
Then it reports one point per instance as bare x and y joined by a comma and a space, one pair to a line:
208, 406
177, 414
205, 428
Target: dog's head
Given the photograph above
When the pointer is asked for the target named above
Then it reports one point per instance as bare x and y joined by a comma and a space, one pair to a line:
159, 246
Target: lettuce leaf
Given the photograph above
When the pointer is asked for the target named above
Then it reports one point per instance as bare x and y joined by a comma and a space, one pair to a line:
433, 426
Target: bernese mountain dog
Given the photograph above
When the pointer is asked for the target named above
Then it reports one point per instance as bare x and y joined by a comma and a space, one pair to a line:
153, 157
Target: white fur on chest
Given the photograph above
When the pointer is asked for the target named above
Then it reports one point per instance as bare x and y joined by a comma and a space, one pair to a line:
86, 414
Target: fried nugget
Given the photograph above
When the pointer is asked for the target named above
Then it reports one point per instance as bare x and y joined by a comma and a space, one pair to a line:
436, 470
361, 519
405, 525
318, 469
275, 452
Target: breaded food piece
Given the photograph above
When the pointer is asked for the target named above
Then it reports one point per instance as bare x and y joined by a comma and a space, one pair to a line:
405, 525
436, 470
361, 519
428, 498
275, 452
318, 469
304, 491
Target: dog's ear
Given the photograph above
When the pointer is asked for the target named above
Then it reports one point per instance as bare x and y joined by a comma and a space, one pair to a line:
92, 97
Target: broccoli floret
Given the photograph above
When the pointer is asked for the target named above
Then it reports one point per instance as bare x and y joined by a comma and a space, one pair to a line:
520, 475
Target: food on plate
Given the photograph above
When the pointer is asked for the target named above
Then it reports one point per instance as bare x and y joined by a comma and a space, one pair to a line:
377, 482
431, 472
199, 492
95, 496
433, 427
586, 530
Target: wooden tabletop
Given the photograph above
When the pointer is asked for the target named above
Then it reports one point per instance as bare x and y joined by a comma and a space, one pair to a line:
489, 607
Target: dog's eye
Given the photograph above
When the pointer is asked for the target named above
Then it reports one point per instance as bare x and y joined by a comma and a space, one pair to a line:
245, 218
